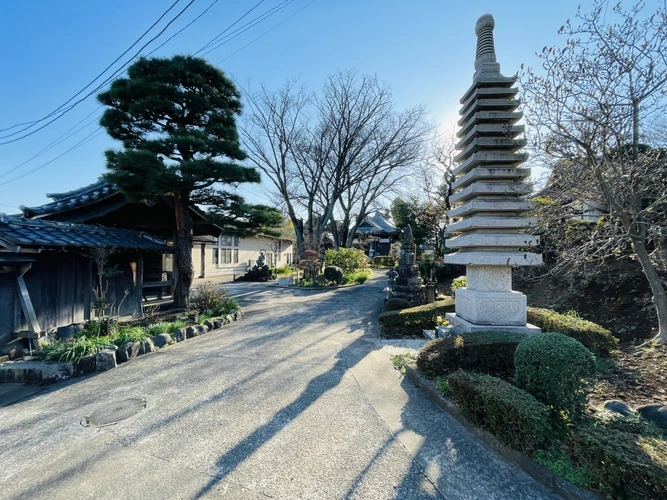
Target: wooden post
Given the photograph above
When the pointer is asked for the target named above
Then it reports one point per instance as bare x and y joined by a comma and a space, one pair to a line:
28, 309
203, 261
139, 286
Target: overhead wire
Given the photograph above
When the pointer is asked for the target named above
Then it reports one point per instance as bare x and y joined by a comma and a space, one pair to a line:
101, 85
267, 31
250, 24
33, 122
229, 27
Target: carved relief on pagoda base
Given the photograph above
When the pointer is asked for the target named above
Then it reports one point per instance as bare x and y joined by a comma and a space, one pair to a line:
491, 308
489, 278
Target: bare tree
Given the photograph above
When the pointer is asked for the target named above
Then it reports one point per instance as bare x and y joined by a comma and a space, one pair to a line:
331, 153
592, 113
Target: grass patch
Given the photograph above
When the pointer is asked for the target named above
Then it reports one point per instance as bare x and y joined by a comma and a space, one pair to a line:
557, 461
400, 361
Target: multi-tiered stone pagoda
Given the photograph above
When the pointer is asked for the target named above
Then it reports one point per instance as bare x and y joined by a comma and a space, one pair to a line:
488, 197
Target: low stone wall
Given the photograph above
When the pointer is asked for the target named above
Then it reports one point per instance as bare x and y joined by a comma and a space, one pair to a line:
34, 370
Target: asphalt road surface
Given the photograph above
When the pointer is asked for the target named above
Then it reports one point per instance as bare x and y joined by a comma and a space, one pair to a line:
297, 400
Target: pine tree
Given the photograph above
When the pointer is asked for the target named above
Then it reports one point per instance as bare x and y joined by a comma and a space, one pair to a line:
176, 119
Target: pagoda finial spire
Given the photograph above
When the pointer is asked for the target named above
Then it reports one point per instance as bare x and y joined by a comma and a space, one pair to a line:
486, 51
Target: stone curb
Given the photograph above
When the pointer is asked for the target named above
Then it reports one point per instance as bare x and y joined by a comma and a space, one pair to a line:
539, 473
49, 372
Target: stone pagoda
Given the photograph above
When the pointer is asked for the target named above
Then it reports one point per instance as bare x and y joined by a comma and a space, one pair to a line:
409, 284
489, 207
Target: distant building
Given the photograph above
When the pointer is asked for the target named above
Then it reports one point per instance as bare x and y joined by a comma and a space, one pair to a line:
378, 233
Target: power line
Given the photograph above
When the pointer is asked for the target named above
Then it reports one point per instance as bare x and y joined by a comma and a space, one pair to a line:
182, 29
110, 78
229, 27
94, 79
249, 25
59, 140
95, 133
267, 31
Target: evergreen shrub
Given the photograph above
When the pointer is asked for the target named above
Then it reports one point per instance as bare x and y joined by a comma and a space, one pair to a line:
623, 465
333, 274
348, 259
486, 352
382, 261
419, 317
596, 338
396, 304
557, 370
515, 417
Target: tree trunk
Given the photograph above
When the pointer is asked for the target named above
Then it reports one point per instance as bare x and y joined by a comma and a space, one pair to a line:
183, 250
659, 295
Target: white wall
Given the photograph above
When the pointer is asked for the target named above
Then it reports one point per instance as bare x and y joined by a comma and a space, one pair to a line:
248, 253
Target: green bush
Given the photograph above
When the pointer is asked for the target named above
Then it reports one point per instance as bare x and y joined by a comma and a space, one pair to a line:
74, 349
333, 274
210, 297
383, 261
358, 277
623, 465
557, 370
515, 417
596, 338
348, 259
100, 327
486, 352
557, 461
285, 270
158, 328
419, 317
175, 325
134, 334
396, 304
459, 282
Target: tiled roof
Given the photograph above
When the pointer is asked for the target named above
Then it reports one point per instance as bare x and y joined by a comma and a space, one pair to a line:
22, 232
375, 224
71, 199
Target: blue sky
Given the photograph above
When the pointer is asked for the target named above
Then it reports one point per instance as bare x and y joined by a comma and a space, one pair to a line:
423, 48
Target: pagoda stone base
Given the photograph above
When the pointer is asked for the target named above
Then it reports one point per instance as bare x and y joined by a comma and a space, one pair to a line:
491, 308
463, 326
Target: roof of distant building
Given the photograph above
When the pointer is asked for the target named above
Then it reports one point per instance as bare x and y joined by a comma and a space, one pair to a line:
376, 224
71, 199
19, 232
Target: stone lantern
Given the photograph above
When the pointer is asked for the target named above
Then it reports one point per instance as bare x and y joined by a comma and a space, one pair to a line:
488, 199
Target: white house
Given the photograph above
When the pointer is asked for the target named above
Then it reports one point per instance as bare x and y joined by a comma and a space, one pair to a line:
231, 256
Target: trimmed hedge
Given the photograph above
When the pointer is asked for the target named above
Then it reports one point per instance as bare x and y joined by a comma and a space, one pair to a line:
419, 317
382, 261
396, 304
515, 417
557, 370
595, 338
623, 465
487, 352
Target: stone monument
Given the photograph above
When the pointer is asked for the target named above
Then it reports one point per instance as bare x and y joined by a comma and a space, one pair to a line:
489, 206
409, 285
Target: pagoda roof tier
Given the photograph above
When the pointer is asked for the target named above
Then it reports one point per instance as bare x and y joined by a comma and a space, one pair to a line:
477, 105
491, 207
489, 93
498, 241
488, 130
488, 158
501, 117
485, 80
482, 188
490, 143
501, 258
489, 173
480, 222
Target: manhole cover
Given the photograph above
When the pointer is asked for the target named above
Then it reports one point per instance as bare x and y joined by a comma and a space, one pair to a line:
114, 412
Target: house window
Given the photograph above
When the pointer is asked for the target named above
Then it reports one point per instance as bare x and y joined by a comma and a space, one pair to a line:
225, 254
215, 257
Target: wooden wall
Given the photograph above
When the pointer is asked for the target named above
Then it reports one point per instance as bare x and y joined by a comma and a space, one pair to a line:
60, 285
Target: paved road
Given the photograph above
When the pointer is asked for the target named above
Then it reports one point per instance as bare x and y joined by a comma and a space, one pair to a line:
298, 400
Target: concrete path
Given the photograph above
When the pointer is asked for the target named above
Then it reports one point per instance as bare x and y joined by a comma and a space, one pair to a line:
298, 400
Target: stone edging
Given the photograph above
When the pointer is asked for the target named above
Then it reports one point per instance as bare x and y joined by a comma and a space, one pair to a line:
541, 474
39, 371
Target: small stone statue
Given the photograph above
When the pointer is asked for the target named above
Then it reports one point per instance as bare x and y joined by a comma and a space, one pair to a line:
260, 259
